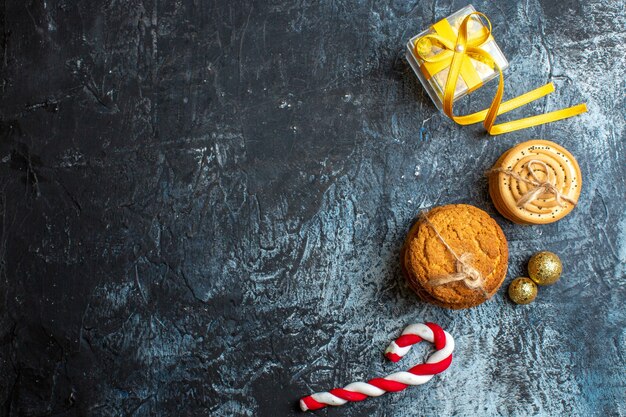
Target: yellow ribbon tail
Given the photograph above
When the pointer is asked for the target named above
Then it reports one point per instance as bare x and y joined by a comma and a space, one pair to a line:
506, 106
513, 104
526, 98
537, 120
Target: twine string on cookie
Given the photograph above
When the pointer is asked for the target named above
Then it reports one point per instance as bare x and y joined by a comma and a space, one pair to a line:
465, 272
548, 185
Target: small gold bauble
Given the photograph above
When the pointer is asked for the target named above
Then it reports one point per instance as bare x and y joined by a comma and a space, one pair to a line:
545, 268
522, 290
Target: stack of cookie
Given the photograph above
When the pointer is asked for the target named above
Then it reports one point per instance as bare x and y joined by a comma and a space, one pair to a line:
536, 182
455, 256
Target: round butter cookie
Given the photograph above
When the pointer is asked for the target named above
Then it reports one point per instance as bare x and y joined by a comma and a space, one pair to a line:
536, 182
455, 256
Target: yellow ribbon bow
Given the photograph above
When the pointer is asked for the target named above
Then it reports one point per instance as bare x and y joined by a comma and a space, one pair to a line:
457, 54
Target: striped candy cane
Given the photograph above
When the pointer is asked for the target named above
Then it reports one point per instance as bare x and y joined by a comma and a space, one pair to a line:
420, 374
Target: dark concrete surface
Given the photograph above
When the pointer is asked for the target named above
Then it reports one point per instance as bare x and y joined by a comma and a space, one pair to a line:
202, 204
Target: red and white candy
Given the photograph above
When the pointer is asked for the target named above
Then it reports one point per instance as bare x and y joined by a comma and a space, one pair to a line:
419, 374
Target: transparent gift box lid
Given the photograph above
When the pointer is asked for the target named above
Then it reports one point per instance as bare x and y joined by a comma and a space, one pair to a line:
435, 84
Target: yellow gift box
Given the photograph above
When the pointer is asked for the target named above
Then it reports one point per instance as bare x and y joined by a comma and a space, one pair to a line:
474, 73
457, 55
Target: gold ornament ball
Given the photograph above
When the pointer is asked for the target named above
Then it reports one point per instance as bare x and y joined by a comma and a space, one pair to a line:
522, 290
545, 268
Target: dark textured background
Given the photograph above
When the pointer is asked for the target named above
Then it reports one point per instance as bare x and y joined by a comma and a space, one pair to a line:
202, 205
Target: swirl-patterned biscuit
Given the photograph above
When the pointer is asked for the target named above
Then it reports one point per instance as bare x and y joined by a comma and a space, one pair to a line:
536, 182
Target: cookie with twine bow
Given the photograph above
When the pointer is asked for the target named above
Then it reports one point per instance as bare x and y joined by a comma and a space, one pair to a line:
536, 182
455, 256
